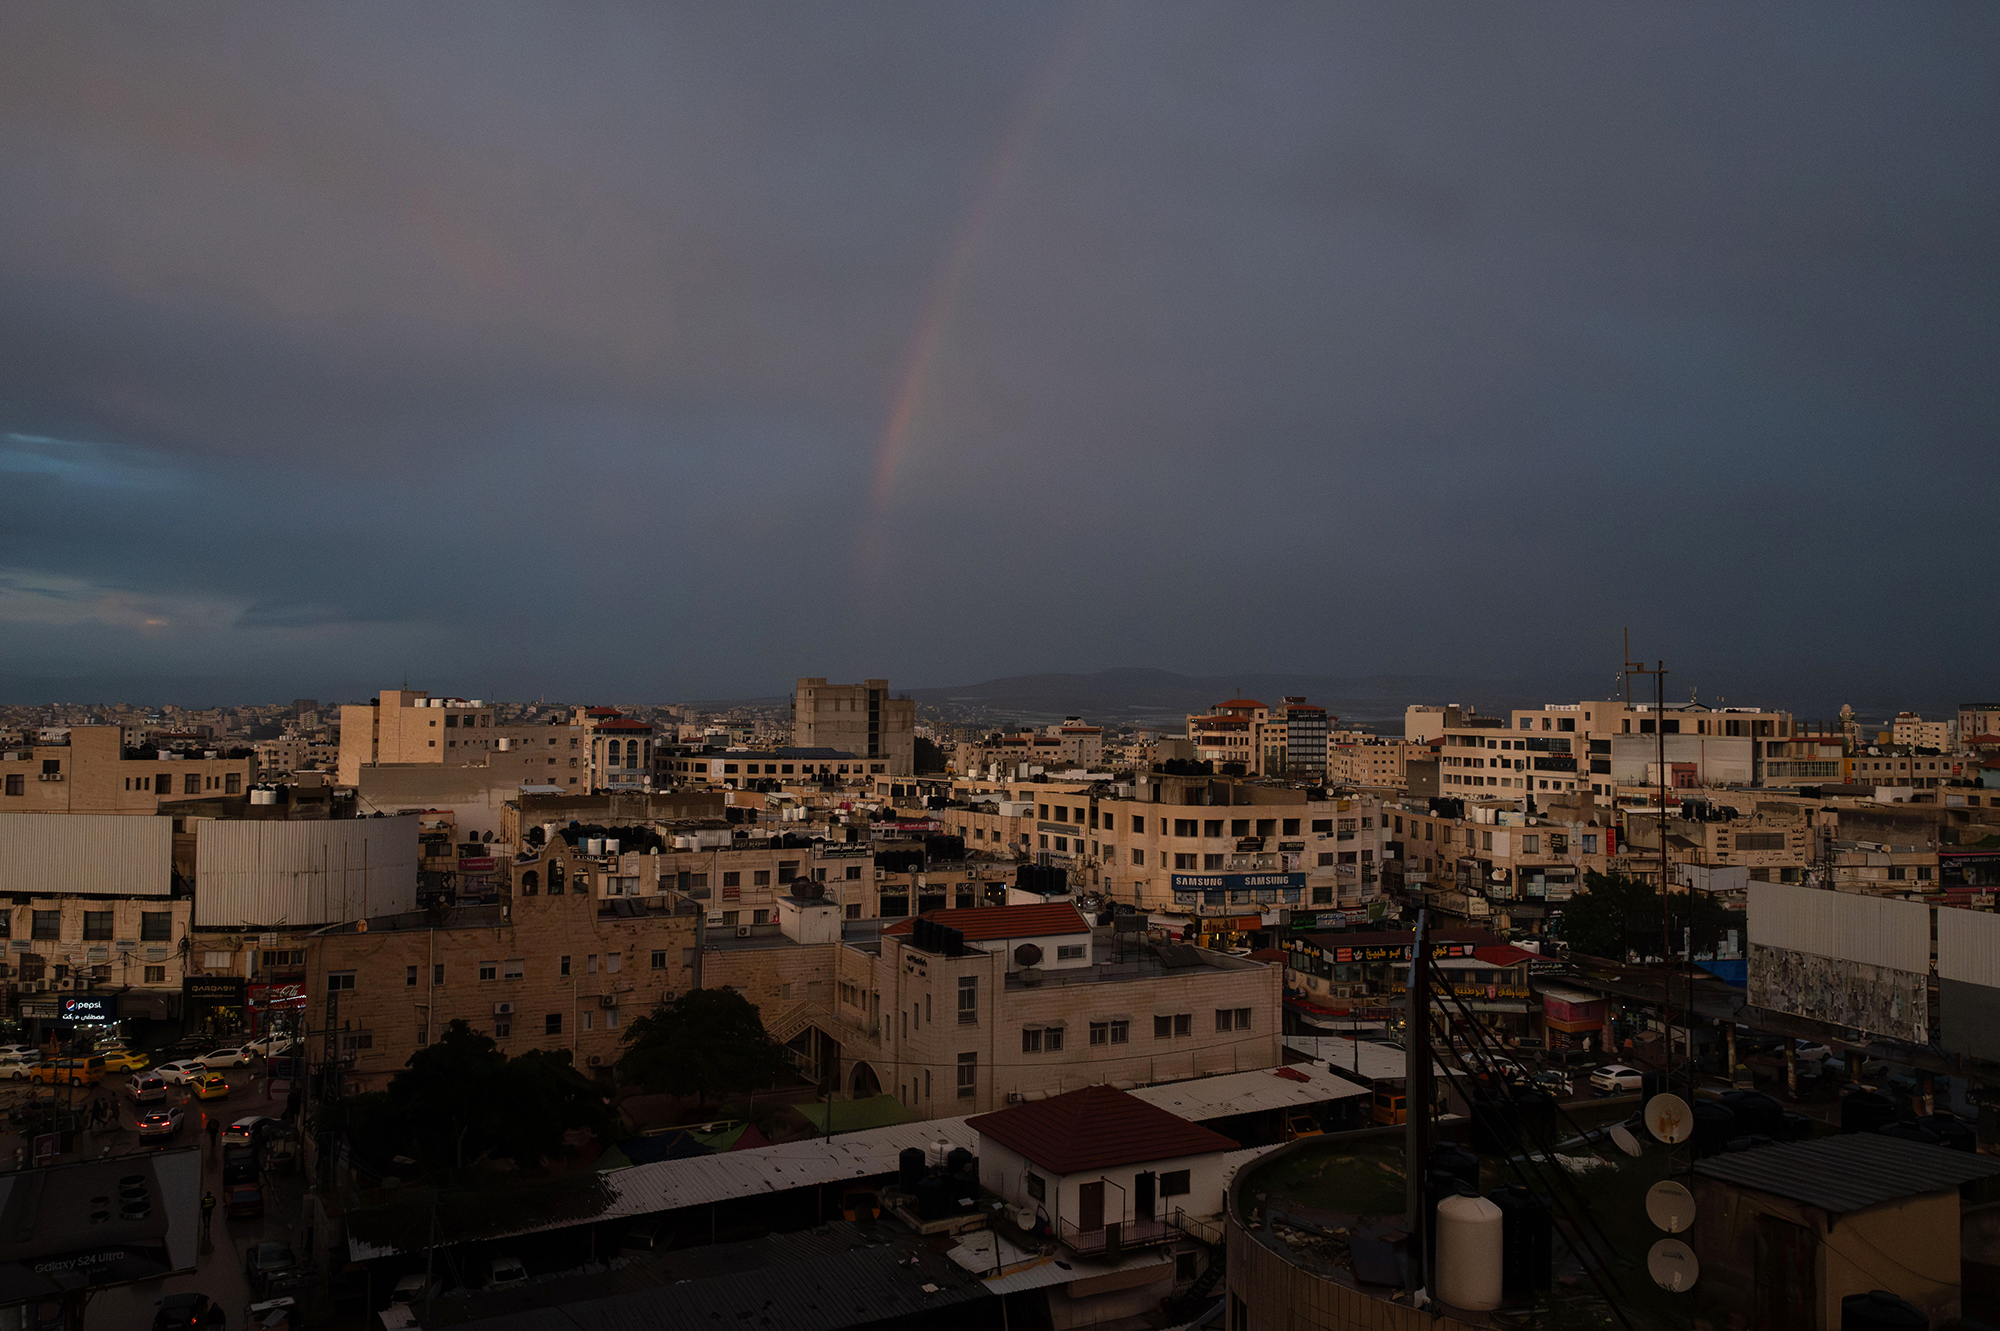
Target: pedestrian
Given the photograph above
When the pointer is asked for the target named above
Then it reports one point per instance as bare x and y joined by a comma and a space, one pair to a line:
207, 1211
214, 1132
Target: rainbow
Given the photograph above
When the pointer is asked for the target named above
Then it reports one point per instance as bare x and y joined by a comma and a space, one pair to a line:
934, 318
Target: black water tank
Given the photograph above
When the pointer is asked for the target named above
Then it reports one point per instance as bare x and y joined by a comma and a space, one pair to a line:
1457, 1164
1795, 1127
1865, 1111
910, 1167
1714, 1126
1879, 1310
1756, 1112
959, 1164
1526, 1246
1951, 1130
934, 1201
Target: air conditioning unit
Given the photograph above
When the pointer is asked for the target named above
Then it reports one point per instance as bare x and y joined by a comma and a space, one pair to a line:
607, 1000
594, 1059
742, 931
1013, 1097
52, 776
503, 1009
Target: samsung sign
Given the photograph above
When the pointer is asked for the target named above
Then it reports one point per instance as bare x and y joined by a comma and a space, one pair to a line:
1235, 882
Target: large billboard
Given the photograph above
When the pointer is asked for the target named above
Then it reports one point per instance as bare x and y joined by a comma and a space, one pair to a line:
1849, 960
97, 1223
1968, 964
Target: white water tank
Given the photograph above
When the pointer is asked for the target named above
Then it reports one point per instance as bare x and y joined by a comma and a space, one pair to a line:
263, 796
593, 845
611, 845
1468, 1253
942, 1148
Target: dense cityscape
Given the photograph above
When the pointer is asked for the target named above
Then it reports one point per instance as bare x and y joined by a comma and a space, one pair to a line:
510, 1005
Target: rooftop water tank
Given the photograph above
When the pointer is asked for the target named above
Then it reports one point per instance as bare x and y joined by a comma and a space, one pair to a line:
611, 845
593, 845
1470, 1239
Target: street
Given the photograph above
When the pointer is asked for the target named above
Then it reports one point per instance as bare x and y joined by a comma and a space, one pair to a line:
220, 1273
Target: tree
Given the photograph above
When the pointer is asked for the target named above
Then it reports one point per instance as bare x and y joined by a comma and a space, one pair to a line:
706, 1042
1617, 917
461, 1099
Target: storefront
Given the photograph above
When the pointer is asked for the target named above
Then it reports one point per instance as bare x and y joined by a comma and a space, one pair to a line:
215, 1005
276, 1008
1573, 1018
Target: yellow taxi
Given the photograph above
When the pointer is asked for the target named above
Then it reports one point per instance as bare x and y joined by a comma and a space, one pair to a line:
211, 1086
124, 1060
69, 1072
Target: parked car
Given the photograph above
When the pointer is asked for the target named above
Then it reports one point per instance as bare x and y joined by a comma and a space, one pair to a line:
243, 1199
123, 1060
232, 1057
270, 1046
1553, 1082
1615, 1078
505, 1273
210, 1086
179, 1074
1809, 1051
1300, 1123
188, 1312
146, 1088
239, 1164
16, 1067
84, 1071
33, 1051
162, 1124
261, 1260
250, 1131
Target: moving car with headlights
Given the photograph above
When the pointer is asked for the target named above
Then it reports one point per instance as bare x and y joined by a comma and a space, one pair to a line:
210, 1086
181, 1073
86, 1071
162, 1124
146, 1088
123, 1060
232, 1057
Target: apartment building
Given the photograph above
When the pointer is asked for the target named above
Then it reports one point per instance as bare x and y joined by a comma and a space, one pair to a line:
1287, 740
1919, 769
1978, 726
963, 1011
1373, 761
861, 719
560, 969
1058, 748
1911, 731
95, 771
1774, 841
740, 769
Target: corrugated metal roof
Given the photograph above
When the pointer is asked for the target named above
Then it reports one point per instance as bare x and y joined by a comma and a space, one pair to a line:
53, 854
1850, 1172
669, 1184
1354, 1058
1247, 1092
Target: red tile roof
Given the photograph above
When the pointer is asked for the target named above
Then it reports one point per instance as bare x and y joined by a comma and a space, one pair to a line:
1237, 702
984, 923
1096, 1128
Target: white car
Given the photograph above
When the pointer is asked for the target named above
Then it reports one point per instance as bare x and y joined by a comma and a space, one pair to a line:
33, 1051
180, 1074
1615, 1077
16, 1067
227, 1058
1810, 1051
505, 1273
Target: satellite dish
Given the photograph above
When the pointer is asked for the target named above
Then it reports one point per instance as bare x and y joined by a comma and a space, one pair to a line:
1024, 1216
1670, 1206
1669, 1118
1028, 954
1672, 1265
1627, 1143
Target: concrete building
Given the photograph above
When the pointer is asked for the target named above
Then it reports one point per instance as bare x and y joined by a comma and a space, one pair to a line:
1909, 730
1979, 726
861, 719
1355, 759
95, 771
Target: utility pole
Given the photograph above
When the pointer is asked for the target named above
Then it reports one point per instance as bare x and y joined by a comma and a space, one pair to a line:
1417, 1104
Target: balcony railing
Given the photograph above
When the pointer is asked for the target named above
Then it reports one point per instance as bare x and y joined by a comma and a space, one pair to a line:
1115, 1235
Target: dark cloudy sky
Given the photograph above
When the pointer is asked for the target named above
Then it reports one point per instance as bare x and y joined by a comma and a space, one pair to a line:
653, 352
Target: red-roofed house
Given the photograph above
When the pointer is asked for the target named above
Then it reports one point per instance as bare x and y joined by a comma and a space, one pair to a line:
1103, 1169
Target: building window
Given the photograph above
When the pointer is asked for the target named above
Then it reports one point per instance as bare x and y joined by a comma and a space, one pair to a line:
156, 975
353, 1041
156, 926
1163, 1028
853, 873
437, 972
614, 961
530, 883
48, 924
659, 959
1041, 1039
16, 784
760, 878
562, 965
1121, 1031
1232, 1019
1211, 863
232, 784
1100, 1032
1183, 861
1174, 1183
97, 925
1031, 1040
489, 970
1184, 1023
611, 1019
552, 1024
1138, 857
1069, 952
513, 969
1038, 1187
968, 999
339, 981
968, 1076
502, 1027
410, 977
191, 784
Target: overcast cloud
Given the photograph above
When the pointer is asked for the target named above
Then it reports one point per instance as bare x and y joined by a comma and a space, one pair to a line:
552, 348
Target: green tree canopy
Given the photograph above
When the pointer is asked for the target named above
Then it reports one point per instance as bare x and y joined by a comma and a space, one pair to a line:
1618, 918
461, 1099
706, 1042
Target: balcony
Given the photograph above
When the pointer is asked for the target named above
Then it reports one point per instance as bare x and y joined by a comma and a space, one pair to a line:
1115, 1236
